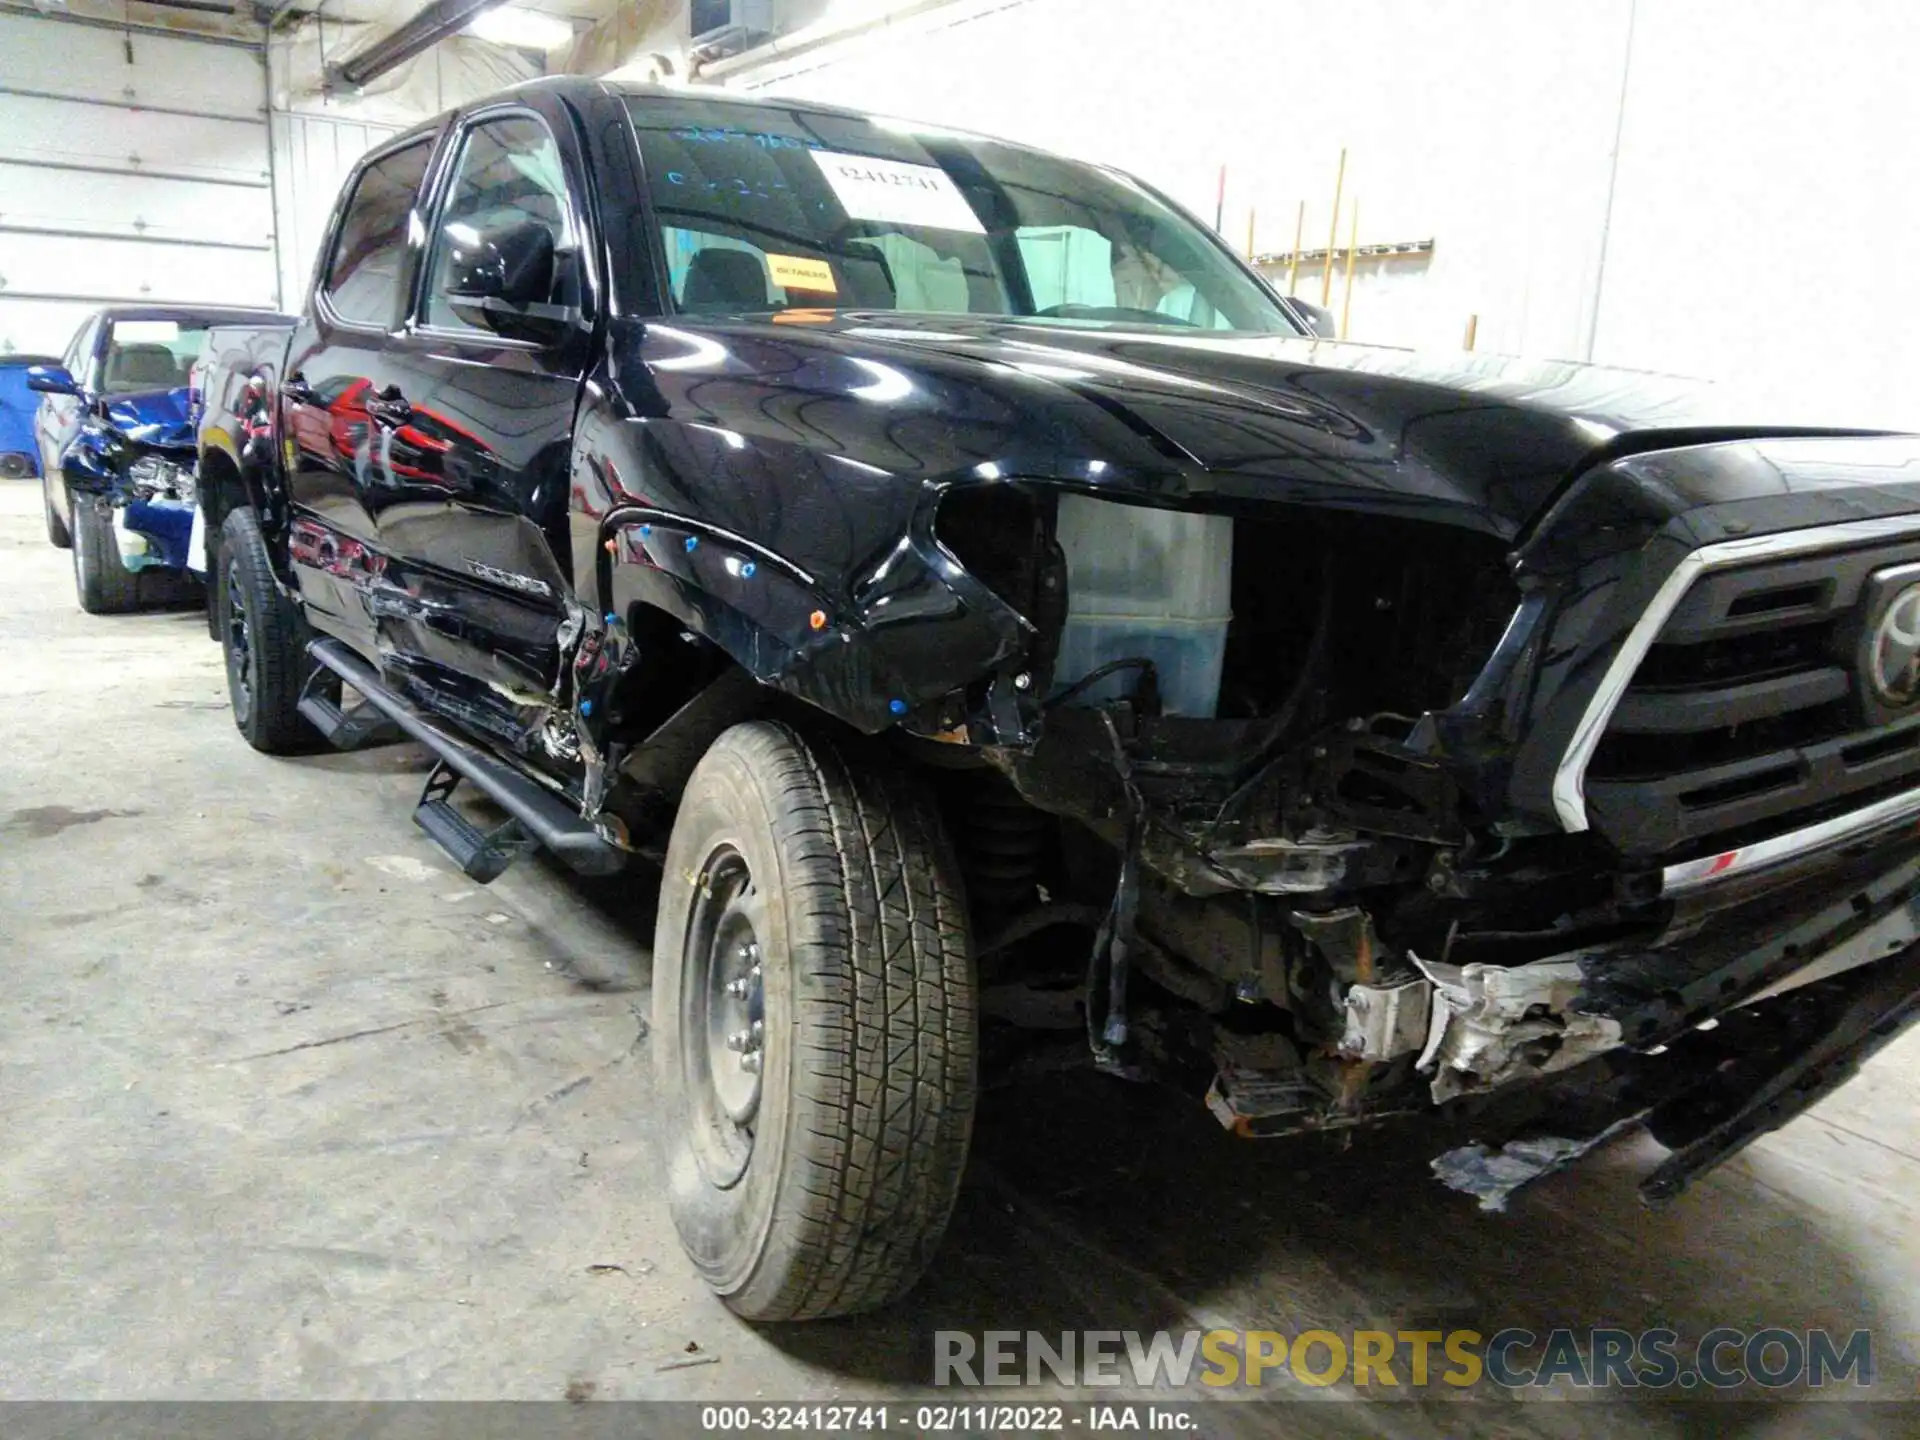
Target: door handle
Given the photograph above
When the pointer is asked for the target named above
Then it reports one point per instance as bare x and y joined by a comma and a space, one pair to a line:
389, 407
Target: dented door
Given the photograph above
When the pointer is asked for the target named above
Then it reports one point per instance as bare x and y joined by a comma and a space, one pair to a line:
476, 429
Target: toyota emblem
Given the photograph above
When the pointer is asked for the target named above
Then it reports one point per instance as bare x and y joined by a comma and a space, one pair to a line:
1894, 656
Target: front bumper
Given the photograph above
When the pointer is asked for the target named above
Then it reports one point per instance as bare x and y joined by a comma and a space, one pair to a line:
160, 533
1807, 847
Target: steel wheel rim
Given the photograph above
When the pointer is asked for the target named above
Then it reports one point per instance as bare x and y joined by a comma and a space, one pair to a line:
723, 1015
239, 645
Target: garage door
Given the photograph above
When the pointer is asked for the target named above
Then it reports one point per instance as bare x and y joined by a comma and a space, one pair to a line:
133, 167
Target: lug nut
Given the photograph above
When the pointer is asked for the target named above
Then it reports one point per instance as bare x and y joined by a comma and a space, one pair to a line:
1023, 681
750, 1062
737, 1041
738, 989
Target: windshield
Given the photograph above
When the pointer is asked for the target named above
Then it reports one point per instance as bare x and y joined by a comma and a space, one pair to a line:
148, 355
765, 208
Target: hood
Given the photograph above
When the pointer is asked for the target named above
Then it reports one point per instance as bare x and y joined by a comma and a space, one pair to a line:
160, 418
1474, 440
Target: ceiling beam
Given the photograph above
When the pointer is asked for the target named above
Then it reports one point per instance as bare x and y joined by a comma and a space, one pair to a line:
425, 30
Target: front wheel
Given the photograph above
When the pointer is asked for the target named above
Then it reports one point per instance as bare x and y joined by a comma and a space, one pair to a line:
101, 580
815, 1027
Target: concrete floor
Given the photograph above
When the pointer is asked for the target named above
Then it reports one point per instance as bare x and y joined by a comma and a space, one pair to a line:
291, 1109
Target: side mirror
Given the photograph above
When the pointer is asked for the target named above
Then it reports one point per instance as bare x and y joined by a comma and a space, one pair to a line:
52, 380
502, 280
1317, 318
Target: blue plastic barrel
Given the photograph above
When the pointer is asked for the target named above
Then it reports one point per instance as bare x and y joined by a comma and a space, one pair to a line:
19, 457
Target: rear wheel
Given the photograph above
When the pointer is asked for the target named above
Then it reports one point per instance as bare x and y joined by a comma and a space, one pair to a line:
57, 533
102, 582
815, 1027
265, 640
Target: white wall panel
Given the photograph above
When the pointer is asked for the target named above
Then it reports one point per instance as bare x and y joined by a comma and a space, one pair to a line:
93, 63
103, 199
40, 327
130, 205
1766, 208
74, 132
135, 270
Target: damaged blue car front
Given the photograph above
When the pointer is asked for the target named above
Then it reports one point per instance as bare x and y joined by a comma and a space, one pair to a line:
116, 436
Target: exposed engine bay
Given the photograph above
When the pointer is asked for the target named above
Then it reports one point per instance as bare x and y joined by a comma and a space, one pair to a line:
1289, 853
1238, 855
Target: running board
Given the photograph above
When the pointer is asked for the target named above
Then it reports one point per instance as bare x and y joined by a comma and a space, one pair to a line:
364, 724
539, 816
483, 855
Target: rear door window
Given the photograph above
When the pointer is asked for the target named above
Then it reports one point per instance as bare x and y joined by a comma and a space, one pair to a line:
366, 273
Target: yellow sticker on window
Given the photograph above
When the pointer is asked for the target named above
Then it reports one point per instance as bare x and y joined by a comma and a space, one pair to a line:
796, 272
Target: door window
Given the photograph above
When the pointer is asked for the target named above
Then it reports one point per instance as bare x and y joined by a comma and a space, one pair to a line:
509, 174
79, 356
367, 267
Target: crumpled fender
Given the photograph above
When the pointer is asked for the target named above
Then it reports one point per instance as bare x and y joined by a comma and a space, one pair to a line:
819, 576
871, 653
94, 461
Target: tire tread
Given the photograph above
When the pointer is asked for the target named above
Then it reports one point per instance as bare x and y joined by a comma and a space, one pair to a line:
885, 1014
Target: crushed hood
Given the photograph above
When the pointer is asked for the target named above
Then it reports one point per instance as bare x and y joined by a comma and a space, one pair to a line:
160, 418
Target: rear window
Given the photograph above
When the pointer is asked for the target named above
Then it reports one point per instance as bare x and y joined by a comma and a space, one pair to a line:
366, 272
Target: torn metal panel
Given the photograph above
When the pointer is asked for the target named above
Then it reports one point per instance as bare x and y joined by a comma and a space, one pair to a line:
1346, 938
1280, 866
1493, 1175
1385, 1021
1491, 1025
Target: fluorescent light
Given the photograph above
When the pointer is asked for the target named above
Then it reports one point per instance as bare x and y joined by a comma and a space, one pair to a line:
521, 29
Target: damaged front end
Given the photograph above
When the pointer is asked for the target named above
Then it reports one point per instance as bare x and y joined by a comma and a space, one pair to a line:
1339, 736
1302, 811
134, 459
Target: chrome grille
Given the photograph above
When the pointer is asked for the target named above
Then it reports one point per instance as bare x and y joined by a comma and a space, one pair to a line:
1738, 706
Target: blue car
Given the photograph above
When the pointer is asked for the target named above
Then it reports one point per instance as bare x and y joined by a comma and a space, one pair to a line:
115, 436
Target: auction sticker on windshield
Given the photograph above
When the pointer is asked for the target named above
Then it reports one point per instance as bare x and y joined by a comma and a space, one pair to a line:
797, 272
894, 192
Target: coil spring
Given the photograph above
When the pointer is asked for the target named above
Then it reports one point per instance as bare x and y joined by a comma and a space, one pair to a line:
1002, 842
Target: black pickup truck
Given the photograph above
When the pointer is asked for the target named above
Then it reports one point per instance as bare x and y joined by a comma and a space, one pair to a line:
1010, 631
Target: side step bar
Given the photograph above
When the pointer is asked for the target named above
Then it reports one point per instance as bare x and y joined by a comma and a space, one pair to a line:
346, 729
540, 817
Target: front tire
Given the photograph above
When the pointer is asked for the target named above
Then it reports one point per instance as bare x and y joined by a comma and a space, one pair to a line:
815, 1026
264, 638
101, 581
57, 533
